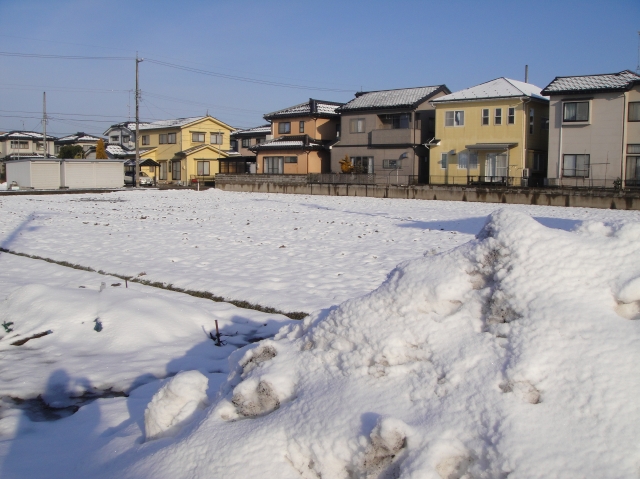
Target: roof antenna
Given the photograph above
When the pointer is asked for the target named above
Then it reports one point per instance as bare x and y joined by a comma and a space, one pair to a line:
207, 112
526, 73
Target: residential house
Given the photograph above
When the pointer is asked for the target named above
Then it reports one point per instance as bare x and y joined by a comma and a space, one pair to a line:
383, 133
86, 141
187, 149
594, 135
492, 133
302, 136
20, 144
241, 141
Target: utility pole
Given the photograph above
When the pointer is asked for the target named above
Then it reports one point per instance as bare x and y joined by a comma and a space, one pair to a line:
138, 168
44, 122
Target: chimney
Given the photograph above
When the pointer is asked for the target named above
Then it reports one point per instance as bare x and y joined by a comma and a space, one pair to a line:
526, 73
313, 106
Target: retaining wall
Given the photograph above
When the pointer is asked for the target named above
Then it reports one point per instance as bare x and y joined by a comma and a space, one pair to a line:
526, 196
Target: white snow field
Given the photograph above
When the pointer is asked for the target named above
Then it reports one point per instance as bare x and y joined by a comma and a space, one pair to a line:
510, 354
292, 252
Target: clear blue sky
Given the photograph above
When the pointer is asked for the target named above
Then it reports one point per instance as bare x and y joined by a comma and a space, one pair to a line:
338, 45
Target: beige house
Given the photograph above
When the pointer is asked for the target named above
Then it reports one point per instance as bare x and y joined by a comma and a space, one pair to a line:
302, 135
494, 133
383, 133
241, 142
187, 149
594, 130
19, 144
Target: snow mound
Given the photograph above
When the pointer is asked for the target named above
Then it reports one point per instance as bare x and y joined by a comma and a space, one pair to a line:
175, 404
507, 356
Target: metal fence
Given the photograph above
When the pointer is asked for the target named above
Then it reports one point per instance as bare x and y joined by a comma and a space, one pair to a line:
362, 179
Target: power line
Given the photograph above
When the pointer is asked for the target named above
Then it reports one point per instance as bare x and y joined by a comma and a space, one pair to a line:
243, 79
62, 57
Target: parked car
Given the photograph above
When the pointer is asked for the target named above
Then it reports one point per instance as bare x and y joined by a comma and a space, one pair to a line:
145, 180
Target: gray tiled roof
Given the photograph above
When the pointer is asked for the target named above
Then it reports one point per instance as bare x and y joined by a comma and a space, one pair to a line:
498, 88
402, 98
608, 81
322, 108
263, 129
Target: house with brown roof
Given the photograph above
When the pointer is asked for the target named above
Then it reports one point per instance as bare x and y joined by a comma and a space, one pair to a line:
594, 130
384, 133
302, 135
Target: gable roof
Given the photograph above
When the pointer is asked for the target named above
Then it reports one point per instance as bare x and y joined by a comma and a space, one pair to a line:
621, 81
24, 135
258, 130
317, 108
79, 137
178, 123
400, 98
499, 88
129, 125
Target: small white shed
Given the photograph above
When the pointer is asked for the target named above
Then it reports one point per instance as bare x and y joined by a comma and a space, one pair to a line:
92, 173
36, 173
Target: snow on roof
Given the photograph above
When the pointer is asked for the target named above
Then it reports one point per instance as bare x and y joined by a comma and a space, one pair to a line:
403, 97
258, 129
177, 122
117, 150
608, 81
315, 107
129, 125
498, 88
24, 135
79, 137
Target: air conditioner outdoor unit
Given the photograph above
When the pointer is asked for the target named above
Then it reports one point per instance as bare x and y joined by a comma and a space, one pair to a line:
525, 172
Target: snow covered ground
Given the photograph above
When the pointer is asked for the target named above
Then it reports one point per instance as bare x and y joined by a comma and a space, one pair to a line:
507, 355
295, 253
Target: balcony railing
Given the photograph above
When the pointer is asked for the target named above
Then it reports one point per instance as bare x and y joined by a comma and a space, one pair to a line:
397, 136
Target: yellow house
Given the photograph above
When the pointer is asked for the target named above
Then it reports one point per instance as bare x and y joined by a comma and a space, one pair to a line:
495, 132
187, 149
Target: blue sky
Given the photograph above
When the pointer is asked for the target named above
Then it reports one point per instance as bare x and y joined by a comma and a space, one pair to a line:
332, 48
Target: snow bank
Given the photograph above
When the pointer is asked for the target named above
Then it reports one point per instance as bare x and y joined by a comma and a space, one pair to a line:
512, 355
175, 404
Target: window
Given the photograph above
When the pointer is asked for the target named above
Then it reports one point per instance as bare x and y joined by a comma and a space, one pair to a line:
362, 164
290, 159
162, 138
454, 118
233, 144
175, 170
126, 139
260, 140
497, 119
575, 166
634, 111
171, 138
301, 126
511, 116
246, 142
114, 139
575, 111
443, 161
216, 138
233, 167
57, 149
633, 171
531, 114
284, 127
197, 137
39, 145
395, 122
463, 160
496, 166
338, 130
163, 169
392, 164
485, 116
203, 168
537, 162
473, 160
145, 139
19, 145
633, 148
356, 125
544, 124
273, 165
